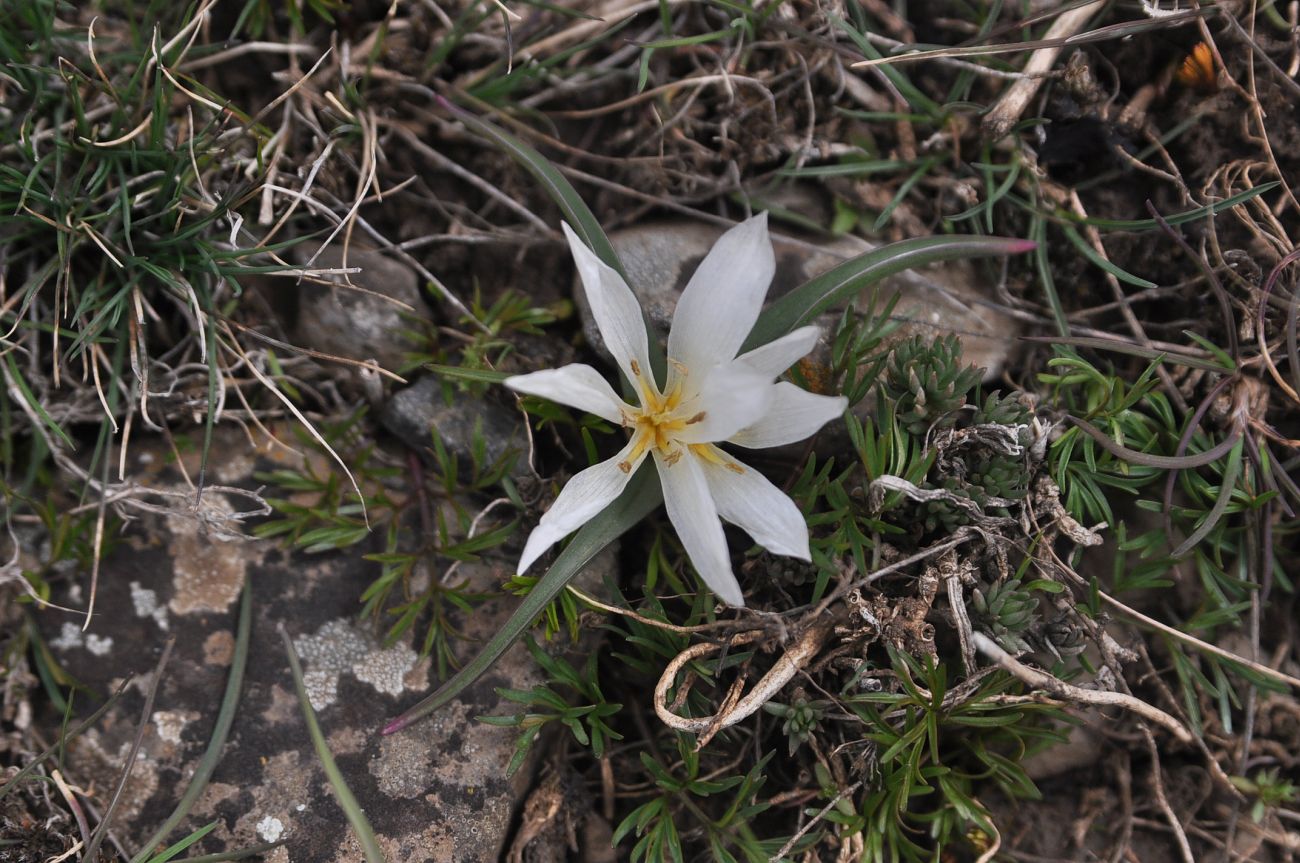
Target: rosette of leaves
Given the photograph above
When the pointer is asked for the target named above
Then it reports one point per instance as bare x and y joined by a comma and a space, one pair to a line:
983, 472
772, 569
927, 383
802, 718
1007, 611
1063, 638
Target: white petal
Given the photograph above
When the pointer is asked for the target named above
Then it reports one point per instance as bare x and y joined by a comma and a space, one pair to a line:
580, 501
750, 501
691, 510
613, 305
730, 398
577, 385
722, 300
775, 357
793, 415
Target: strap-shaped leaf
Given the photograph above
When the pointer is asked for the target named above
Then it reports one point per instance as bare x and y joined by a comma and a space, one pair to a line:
843, 282
638, 499
575, 210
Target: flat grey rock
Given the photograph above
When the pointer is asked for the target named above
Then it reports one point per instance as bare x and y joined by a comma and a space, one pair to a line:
434, 792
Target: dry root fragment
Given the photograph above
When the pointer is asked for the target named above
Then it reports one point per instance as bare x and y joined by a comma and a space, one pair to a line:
796, 657
1041, 680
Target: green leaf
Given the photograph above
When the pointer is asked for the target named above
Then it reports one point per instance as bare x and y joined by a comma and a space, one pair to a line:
1092, 254
477, 376
1230, 473
1178, 218
575, 210
640, 497
180, 846
843, 282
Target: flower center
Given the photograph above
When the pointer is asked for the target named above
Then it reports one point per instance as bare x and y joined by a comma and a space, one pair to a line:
659, 420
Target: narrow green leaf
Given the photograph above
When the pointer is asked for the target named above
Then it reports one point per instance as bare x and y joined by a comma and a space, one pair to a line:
1230, 473
1130, 349
237, 854
180, 846
1179, 218
16, 379
575, 210
843, 282
456, 373
1091, 254
640, 497
1164, 462
356, 816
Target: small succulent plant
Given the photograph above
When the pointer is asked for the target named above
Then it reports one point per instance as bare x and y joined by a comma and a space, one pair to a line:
768, 568
802, 718
983, 467
928, 383
1008, 612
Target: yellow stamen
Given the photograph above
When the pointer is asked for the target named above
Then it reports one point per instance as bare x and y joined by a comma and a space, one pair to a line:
713, 455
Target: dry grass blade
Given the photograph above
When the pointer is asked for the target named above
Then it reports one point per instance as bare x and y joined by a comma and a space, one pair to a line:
101, 831
220, 730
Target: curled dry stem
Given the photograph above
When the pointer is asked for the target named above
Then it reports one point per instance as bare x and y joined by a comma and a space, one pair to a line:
796, 657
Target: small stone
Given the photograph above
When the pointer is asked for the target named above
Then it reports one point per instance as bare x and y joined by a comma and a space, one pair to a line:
412, 413
660, 258
378, 322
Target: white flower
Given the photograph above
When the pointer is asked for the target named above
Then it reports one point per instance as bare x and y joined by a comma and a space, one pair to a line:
711, 396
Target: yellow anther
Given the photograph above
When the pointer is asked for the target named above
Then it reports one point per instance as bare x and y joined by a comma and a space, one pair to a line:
697, 418
636, 368
625, 466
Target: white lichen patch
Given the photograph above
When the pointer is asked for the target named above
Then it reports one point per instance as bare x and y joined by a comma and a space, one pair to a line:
322, 687
270, 829
146, 605
170, 724
70, 637
99, 646
337, 648
385, 670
